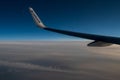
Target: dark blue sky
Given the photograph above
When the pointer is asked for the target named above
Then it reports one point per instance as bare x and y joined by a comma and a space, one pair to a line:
88, 16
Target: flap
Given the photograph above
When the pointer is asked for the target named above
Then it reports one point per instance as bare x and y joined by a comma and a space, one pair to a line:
99, 44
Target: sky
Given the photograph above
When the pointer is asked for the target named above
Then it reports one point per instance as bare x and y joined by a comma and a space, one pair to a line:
89, 16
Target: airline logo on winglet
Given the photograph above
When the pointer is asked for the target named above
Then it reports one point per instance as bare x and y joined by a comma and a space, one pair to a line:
36, 18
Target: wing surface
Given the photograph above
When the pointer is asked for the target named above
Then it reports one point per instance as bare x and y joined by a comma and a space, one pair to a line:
99, 40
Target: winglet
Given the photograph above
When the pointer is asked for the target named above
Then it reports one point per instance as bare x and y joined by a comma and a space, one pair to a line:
36, 18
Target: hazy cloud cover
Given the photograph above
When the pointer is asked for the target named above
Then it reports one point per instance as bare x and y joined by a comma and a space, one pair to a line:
71, 60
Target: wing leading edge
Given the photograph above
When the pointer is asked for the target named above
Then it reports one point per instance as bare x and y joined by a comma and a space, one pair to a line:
99, 40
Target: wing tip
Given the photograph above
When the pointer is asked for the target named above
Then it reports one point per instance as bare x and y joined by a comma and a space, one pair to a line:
36, 18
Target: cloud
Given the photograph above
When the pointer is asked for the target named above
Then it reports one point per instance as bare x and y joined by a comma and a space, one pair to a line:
29, 66
62, 57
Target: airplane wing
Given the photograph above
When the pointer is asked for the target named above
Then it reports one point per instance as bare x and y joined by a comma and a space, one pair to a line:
99, 40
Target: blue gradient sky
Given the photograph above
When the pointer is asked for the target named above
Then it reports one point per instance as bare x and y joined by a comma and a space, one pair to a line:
88, 16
